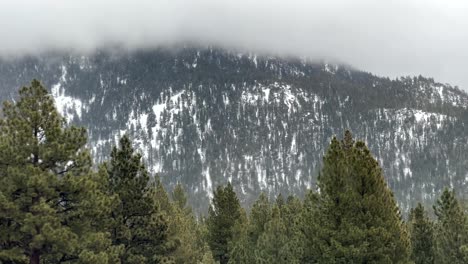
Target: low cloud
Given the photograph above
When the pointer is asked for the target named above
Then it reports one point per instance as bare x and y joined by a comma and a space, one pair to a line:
390, 38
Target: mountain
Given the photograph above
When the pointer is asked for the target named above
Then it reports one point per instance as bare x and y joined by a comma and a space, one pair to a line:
203, 117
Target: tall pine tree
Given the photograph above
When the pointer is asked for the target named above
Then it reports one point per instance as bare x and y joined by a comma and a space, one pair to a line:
222, 215
137, 223
291, 213
360, 219
422, 236
315, 230
451, 230
241, 248
260, 215
51, 203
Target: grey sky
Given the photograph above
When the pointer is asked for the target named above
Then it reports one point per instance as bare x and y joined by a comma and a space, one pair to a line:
386, 37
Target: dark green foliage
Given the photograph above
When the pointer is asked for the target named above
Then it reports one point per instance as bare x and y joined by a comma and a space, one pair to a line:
51, 203
186, 237
358, 215
54, 208
422, 236
280, 201
260, 215
179, 196
274, 245
137, 223
269, 234
292, 217
241, 247
315, 228
451, 230
222, 215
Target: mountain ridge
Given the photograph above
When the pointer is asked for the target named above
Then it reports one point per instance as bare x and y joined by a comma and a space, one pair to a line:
205, 117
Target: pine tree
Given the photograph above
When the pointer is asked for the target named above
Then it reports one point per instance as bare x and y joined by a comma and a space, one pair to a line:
451, 229
260, 215
208, 258
293, 219
274, 244
179, 196
222, 215
422, 236
184, 233
51, 203
241, 248
137, 223
280, 201
361, 221
160, 196
315, 230
207, 254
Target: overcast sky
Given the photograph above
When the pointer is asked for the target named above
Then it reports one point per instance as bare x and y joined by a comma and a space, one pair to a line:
386, 37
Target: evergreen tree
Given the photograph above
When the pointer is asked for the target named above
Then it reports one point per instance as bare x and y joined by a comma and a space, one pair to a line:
207, 258
260, 215
51, 203
138, 224
222, 215
293, 219
274, 244
179, 196
184, 233
360, 221
422, 236
315, 230
241, 248
168, 211
280, 201
451, 230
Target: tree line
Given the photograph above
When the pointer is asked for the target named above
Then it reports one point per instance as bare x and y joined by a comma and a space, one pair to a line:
56, 206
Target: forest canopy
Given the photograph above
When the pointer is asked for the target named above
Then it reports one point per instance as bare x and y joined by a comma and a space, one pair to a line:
56, 206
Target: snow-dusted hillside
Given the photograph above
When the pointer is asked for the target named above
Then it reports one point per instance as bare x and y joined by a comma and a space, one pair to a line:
205, 117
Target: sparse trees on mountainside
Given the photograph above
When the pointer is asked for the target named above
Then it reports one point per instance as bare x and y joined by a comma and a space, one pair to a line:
55, 207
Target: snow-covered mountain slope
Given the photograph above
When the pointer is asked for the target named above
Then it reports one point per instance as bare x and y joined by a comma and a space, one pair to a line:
205, 117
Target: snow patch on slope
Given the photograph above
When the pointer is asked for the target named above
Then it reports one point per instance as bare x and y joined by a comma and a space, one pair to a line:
68, 106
